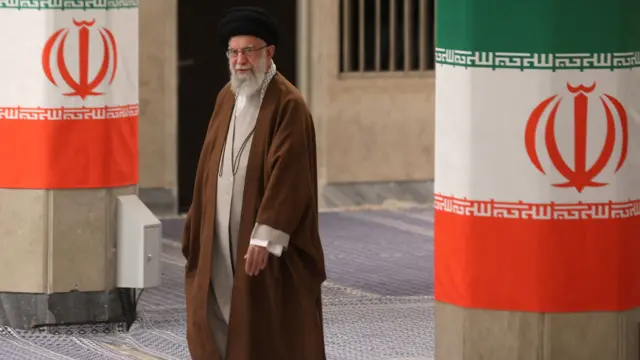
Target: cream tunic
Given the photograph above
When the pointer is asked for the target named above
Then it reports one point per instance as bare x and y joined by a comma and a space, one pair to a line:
229, 209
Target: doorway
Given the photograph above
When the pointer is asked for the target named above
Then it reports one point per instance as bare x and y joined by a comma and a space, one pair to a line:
203, 72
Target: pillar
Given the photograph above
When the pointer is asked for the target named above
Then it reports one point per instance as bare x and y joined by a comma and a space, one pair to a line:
68, 148
537, 204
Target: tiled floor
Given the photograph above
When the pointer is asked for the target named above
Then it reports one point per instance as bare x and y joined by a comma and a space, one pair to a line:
377, 300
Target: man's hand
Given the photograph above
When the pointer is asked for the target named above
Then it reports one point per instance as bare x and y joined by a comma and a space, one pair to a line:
256, 259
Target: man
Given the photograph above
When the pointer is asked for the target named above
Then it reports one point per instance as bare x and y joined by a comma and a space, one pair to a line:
255, 263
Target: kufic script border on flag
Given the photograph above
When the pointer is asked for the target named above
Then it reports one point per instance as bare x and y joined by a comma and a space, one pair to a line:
537, 211
68, 4
537, 61
69, 113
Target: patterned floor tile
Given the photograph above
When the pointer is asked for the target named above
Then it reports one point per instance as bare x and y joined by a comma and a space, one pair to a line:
378, 303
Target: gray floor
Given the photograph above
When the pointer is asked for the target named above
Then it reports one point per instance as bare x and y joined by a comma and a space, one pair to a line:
378, 298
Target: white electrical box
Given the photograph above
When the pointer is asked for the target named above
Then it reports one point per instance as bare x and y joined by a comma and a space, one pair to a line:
139, 245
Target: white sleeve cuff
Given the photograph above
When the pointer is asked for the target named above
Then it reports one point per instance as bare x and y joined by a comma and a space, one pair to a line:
275, 249
273, 236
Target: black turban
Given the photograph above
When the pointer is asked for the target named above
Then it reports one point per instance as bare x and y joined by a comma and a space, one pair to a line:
247, 20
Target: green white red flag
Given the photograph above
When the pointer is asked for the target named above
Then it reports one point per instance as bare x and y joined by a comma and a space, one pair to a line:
68, 93
537, 175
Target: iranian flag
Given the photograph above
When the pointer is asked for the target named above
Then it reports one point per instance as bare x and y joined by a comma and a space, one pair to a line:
537, 175
68, 93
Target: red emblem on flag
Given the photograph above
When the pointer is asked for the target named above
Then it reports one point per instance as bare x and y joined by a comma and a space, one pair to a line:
581, 175
81, 84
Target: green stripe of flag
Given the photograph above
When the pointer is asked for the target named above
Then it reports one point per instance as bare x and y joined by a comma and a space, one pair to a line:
539, 26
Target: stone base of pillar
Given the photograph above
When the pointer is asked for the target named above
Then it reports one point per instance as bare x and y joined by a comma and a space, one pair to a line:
27, 311
59, 256
472, 334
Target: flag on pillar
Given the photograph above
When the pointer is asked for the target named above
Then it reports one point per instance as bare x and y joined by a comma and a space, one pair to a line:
537, 175
68, 93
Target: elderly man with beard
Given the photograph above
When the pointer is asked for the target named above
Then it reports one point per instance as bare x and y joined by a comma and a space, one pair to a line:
255, 263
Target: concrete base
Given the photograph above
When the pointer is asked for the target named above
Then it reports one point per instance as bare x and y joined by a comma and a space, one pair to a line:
26, 311
59, 256
470, 334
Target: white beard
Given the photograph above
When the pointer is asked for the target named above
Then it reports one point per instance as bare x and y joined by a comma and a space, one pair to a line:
251, 82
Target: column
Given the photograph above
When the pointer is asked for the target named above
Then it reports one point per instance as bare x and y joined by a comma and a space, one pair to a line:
68, 148
537, 228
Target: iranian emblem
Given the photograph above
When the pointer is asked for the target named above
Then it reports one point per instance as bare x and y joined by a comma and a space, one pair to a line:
579, 175
87, 79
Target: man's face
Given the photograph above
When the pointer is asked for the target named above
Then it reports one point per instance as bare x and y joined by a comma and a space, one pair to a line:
249, 59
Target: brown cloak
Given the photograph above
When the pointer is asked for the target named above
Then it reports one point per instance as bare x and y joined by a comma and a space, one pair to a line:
276, 315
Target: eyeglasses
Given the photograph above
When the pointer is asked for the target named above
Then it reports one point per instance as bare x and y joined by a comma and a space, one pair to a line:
248, 51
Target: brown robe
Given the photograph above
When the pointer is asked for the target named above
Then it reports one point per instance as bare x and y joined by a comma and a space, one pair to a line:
276, 315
